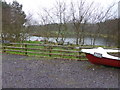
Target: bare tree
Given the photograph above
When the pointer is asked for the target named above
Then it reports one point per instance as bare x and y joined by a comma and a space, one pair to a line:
29, 27
59, 17
46, 28
62, 18
101, 15
80, 16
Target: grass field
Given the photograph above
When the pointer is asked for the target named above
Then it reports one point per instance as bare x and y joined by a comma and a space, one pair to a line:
50, 51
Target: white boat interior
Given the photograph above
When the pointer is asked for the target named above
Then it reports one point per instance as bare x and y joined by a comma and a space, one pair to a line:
100, 51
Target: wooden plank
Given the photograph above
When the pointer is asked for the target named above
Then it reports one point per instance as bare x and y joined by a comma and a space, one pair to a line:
66, 58
14, 47
69, 51
25, 48
14, 50
64, 55
60, 58
77, 47
27, 51
47, 56
50, 45
42, 53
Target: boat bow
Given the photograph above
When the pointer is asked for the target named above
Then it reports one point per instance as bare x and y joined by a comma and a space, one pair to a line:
100, 52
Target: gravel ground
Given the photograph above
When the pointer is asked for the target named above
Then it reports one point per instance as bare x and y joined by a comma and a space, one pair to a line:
33, 72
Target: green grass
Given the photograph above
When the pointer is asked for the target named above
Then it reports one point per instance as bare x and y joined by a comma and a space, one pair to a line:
48, 51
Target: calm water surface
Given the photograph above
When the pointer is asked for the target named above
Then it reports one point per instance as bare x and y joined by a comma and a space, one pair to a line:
87, 40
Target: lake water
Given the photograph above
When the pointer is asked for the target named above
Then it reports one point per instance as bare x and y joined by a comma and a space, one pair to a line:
87, 40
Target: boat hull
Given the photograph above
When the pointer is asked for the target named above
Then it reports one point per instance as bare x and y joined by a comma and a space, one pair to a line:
104, 61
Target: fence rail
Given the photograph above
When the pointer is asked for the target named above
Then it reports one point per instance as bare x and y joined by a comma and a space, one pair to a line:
45, 50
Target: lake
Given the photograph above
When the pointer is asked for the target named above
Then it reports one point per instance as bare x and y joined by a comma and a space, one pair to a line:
87, 40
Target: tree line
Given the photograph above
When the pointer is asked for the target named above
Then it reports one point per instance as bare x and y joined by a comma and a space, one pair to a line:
76, 20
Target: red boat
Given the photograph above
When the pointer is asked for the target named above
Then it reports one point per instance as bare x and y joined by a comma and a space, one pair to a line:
100, 56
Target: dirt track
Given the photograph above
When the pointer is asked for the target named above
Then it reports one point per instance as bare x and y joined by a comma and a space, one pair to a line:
33, 72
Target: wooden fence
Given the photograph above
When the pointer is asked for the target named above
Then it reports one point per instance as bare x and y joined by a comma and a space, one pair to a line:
45, 50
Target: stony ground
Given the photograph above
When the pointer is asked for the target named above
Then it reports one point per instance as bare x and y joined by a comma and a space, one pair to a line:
33, 72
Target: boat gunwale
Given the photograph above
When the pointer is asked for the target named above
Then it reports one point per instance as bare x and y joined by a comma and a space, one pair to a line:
104, 54
105, 57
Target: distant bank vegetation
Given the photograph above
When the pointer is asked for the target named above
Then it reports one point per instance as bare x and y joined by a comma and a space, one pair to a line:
77, 20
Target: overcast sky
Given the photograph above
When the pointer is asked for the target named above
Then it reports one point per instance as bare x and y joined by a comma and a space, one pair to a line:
33, 6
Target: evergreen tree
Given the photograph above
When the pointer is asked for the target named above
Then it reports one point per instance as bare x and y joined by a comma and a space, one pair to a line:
13, 19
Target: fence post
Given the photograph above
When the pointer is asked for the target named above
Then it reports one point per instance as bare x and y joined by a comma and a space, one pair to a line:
3, 48
26, 49
79, 53
50, 50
